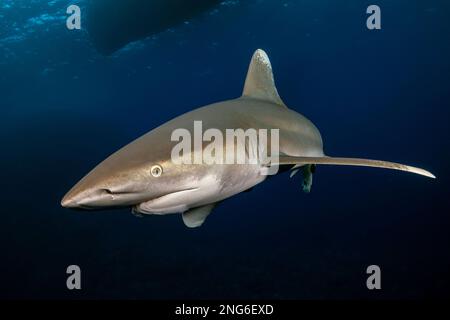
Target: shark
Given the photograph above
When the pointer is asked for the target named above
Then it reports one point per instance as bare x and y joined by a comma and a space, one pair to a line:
111, 25
143, 177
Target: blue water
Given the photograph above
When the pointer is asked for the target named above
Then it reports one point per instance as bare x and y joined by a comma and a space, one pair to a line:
376, 94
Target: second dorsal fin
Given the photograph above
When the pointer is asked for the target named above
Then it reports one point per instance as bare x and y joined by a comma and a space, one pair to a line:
259, 83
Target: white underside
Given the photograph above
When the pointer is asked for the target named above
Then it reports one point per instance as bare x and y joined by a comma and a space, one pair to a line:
210, 189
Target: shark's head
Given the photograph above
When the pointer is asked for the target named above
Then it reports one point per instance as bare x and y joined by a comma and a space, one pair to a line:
139, 172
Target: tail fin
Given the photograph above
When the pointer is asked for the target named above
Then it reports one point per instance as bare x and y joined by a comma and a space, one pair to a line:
286, 160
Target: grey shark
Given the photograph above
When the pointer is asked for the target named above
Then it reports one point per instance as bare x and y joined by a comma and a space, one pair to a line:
143, 176
113, 24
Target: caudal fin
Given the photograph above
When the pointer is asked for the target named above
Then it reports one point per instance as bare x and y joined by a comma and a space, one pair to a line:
288, 160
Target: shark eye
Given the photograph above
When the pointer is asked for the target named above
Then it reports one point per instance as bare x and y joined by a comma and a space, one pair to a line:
156, 171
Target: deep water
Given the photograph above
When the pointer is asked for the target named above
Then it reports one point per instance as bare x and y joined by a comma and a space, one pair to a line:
377, 94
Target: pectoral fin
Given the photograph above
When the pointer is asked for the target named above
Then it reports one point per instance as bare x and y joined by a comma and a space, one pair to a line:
194, 218
288, 160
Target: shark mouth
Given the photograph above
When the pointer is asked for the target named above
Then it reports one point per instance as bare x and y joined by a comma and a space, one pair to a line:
172, 194
173, 202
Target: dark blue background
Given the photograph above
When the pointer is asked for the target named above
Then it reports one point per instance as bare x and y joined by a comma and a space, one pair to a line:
375, 94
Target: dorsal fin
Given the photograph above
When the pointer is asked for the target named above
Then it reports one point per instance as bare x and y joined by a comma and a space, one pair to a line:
259, 83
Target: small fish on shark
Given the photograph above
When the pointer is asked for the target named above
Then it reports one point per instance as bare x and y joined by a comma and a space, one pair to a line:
143, 176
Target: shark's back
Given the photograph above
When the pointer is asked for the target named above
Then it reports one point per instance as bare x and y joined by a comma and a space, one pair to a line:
298, 135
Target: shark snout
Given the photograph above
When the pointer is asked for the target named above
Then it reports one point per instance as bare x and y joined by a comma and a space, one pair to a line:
91, 195
88, 198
